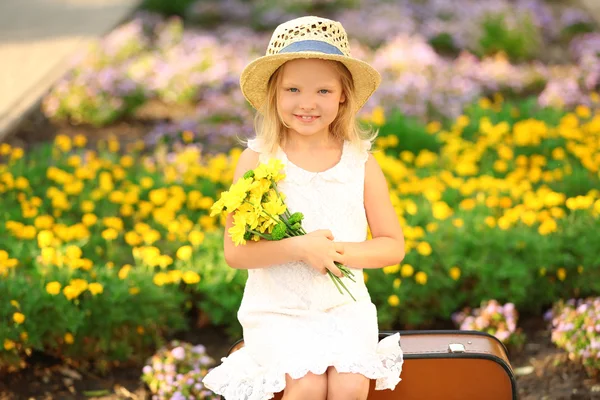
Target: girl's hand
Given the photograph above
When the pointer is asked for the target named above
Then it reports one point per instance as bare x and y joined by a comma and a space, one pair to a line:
318, 250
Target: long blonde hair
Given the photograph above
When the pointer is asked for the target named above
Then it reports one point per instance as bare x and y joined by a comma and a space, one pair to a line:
270, 128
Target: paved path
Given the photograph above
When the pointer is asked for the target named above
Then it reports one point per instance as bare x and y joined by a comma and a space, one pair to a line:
38, 39
593, 6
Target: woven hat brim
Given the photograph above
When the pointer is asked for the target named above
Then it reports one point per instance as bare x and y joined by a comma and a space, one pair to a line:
255, 77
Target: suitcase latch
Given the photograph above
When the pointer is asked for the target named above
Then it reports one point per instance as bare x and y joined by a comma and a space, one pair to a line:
456, 348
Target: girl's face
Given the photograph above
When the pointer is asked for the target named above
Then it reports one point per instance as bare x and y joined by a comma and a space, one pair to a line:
309, 96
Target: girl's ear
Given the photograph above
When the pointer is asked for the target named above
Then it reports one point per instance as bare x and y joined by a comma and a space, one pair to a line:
343, 97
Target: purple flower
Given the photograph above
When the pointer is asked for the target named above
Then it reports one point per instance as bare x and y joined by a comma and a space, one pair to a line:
178, 353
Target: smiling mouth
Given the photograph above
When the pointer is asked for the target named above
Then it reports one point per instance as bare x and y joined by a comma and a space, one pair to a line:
306, 118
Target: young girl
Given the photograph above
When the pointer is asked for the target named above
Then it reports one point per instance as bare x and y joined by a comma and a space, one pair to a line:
301, 335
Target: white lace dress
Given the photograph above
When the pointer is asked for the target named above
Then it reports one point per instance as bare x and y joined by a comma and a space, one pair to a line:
294, 319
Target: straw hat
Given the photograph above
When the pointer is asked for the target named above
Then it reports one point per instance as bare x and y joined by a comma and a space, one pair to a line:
307, 37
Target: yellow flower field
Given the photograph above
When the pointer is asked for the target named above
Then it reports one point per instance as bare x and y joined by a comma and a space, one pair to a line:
105, 250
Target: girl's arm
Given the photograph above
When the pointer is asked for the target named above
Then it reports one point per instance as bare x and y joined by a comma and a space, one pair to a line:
316, 248
387, 246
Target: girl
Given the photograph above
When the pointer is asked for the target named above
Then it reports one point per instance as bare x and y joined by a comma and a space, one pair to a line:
301, 335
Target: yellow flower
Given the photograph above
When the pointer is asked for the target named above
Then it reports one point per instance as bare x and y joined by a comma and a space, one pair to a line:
124, 271
160, 279
95, 288
561, 274
235, 196
53, 288
158, 197
394, 300
184, 253
63, 142
454, 273
258, 189
441, 210
391, 269
45, 238
529, 217
43, 222
558, 153
424, 249
238, 229
19, 318
134, 290
73, 252
164, 261
132, 238
79, 140
187, 136
196, 238
500, 166
274, 206
69, 339
110, 234
378, 116
490, 221
421, 278
467, 204
580, 269
433, 127
146, 182
21, 183
126, 161
547, 227
8, 344
407, 270
432, 227
151, 236
397, 283
458, 222
190, 277
503, 223
71, 292
583, 111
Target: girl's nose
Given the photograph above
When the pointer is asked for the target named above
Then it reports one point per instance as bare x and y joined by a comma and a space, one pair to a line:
307, 103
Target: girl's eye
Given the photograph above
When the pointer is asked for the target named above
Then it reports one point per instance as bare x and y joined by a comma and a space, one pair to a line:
323, 91
293, 90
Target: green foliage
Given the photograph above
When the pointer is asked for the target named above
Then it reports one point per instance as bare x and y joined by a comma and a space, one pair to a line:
520, 41
168, 7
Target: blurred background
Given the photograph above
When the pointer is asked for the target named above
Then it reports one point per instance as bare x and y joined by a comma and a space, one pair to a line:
119, 127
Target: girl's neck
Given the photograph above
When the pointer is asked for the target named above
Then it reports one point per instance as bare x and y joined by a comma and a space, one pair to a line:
299, 142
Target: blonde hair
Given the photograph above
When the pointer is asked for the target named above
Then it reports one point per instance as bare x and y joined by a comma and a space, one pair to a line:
270, 128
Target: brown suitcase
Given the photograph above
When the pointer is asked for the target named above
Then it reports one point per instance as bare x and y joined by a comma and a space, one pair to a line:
447, 365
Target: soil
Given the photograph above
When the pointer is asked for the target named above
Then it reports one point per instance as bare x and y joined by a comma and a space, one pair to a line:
543, 371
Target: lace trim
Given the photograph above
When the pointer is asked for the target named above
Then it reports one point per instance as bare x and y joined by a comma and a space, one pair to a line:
240, 378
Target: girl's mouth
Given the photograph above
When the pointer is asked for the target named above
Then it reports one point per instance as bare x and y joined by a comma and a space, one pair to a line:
306, 118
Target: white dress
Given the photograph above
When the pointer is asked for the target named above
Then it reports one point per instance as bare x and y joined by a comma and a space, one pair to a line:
294, 319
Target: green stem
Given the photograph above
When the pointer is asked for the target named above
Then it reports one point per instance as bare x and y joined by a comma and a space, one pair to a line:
259, 234
334, 279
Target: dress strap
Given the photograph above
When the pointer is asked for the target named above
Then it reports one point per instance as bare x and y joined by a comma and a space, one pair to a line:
364, 152
254, 144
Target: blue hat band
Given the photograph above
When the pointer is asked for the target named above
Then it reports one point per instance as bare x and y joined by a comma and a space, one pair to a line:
311, 45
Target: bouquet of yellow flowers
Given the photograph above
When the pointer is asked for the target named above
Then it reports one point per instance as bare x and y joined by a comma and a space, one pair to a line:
259, 212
